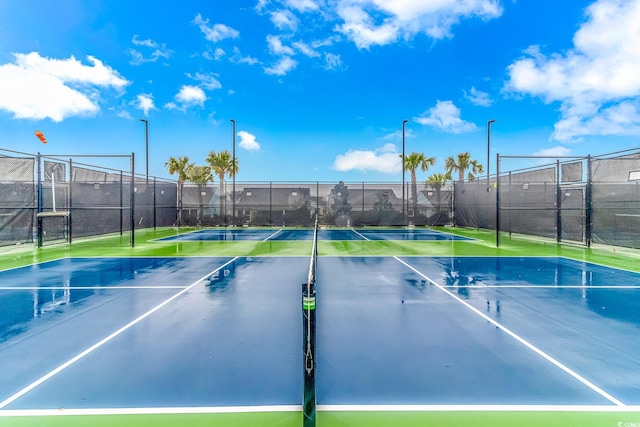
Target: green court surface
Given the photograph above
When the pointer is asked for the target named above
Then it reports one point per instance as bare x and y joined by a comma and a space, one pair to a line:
343, 419
482, 245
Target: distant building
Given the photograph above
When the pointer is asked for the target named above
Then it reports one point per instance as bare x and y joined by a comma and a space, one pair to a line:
276, 205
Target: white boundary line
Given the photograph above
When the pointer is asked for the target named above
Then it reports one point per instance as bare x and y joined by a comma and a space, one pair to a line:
599, 265
73, 288
32, 265
479, 408
323, 408
405, 231
359, 234
149, 411
521, 340
204, 230
269, 238
546, 287
100, 343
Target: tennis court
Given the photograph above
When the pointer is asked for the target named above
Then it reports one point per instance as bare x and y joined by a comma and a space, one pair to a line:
323, 234
444, 330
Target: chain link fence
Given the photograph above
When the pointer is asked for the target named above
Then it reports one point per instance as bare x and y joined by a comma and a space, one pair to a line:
585, 200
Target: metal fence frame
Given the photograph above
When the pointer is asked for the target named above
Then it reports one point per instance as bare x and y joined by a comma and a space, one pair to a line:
147, 202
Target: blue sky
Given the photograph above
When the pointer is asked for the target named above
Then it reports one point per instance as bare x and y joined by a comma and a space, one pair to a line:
319, 88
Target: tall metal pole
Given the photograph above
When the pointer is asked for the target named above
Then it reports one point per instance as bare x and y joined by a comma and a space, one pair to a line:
146, 141
488, 146
233, 176
404, 217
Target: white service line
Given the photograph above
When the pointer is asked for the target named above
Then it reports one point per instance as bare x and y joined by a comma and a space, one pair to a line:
105, 340
519, 339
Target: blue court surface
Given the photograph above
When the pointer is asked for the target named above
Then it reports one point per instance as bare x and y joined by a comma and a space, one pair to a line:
307, 234
227, 332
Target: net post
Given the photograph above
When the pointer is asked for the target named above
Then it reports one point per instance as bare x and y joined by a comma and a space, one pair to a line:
309, 337
309, 352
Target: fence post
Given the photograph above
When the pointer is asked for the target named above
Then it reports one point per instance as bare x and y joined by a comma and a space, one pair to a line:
39, 200
133, 200
121, 203
154, 203
497, 200
588, 203
69, 223
558, 204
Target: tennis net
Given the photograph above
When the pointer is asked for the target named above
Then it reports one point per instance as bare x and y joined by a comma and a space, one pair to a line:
309, 331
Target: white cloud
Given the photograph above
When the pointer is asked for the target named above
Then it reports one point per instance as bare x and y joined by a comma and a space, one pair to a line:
237, 58
305, 49
558, 151
332, 61
187, 96
284, 20
384, 159
276, 47
216, 32
192, 95
618, 119
478, 98
397, 135
159, 51
218, 53
215, 56
380, 22
261, 5
445, 116
207, 81
282, 67
144, 102
597, 81
302, 5
248, 141
124, 115
36, 87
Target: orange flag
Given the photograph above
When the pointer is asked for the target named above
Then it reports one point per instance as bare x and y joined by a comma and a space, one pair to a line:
41, 137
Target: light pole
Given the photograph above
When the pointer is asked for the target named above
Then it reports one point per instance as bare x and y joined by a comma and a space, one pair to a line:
404, 217
488, 146
146, 140
233, 176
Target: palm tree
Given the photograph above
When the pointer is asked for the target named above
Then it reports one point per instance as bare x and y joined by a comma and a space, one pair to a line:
179, 166
461, 165
221, 164
436, 181
412, 162
199, 175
